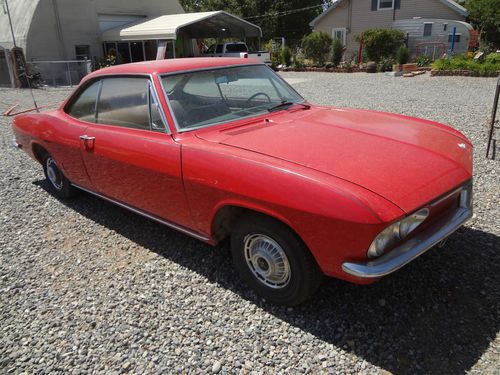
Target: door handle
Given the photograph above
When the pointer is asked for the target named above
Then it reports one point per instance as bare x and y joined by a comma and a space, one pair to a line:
88, 142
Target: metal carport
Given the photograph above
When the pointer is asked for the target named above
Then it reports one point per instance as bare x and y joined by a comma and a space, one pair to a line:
217, 24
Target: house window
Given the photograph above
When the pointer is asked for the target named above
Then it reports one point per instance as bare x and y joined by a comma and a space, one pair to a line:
385, 4
427, 29
445, 27
457, 38
82, 52
339, 33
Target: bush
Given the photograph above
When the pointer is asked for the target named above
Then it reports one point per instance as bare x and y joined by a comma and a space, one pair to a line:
286, 56
423, 60
317, 46
403, 55
379, 43
493, 58
385, 64
298, 60
337, 52
275, 59
490, 66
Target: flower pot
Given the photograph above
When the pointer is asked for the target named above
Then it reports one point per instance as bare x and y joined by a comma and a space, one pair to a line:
397, 68
409, 67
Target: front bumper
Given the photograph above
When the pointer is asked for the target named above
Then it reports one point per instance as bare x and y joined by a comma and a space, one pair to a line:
417, 245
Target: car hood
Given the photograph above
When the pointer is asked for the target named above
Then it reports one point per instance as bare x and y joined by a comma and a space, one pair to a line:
407, 161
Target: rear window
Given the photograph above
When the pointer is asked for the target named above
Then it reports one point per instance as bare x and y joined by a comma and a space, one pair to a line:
236, 47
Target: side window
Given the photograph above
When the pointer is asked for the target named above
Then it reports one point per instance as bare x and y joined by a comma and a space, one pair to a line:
124, 102
154, 113
219, 48
83, 108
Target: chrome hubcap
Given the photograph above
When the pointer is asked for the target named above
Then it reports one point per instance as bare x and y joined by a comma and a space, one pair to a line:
267, 261
54, 174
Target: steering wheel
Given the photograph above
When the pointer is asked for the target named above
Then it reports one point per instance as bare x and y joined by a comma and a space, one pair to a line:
257, 94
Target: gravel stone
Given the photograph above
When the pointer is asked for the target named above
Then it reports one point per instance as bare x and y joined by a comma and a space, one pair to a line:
87, 287
216, 367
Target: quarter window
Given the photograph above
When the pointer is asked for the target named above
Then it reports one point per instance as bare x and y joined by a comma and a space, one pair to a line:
154, 113
385, 4
124, 102
83, 108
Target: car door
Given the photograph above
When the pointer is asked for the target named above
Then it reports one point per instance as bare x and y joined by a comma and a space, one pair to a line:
128, 153
75, 117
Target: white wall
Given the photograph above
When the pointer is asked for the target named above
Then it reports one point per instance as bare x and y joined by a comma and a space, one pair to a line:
78, 24
364, 18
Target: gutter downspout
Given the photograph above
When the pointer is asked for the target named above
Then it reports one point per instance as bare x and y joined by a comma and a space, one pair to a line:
349, 17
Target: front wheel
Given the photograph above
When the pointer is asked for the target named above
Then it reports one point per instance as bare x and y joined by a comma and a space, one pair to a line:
59, 185
274, 261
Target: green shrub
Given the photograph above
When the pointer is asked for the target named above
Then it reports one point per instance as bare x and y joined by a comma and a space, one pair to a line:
379, 43
493, 58
275, 59
385, 64
402, 55
337, 51
298, 60
317, 46
286, 56
423, 60
460, 62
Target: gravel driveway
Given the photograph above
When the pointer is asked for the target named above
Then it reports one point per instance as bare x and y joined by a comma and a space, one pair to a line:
89, 287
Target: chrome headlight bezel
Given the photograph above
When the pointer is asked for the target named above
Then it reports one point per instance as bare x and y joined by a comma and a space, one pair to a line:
396, 232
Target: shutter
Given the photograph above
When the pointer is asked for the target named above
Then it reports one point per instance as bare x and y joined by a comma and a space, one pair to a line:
397, 4
374, 5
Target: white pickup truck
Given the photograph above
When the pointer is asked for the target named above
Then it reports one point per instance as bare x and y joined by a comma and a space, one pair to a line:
237, 49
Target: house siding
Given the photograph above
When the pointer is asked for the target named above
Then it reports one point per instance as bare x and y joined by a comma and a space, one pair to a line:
364, 18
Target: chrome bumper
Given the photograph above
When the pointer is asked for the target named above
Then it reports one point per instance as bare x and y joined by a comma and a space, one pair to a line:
417, 245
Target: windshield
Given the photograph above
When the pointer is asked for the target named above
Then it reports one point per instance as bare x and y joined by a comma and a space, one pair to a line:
211, 97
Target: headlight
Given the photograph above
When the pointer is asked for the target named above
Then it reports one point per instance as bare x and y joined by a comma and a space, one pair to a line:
396, 232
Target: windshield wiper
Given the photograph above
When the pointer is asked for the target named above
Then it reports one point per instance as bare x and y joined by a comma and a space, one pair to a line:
286, 103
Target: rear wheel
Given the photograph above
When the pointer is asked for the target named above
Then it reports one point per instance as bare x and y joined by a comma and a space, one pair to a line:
274, 261
59, 185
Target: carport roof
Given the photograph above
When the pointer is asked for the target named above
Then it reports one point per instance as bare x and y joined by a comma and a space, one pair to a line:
195, 25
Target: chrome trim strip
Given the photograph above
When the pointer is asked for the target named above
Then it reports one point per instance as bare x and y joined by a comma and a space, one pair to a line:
417, 245
142, 213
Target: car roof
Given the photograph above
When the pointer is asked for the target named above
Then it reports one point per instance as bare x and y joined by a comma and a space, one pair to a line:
173, 65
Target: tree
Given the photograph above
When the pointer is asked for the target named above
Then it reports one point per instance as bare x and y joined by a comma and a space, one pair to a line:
277, 18
485, 16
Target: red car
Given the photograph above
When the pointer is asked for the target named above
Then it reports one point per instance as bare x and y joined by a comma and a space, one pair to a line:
226, 149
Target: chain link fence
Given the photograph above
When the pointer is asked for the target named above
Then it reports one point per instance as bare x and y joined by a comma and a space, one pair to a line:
60, 73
